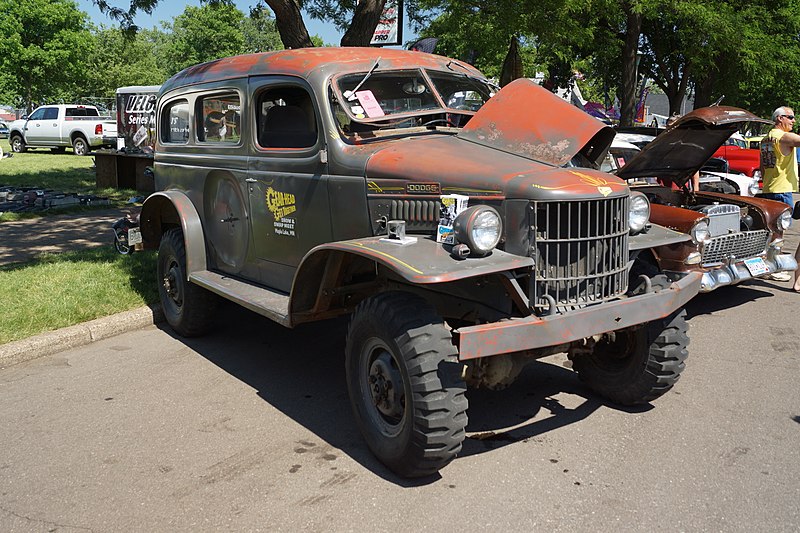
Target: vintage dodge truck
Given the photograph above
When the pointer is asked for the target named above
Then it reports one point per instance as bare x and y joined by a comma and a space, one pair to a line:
464, 229
60, 126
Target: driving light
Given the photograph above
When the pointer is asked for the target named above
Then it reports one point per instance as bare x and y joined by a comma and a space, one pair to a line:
479, 227
785, 220
639, 213
700, 232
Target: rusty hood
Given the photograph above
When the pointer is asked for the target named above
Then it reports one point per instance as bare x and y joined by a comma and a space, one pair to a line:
684, 148
526, 120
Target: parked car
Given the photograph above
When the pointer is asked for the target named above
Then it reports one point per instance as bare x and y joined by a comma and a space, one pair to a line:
462, 240
3, 130
734, 238
715, 174
60, 126
740, 157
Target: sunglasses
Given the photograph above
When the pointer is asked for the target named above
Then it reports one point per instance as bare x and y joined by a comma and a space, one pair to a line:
790, 117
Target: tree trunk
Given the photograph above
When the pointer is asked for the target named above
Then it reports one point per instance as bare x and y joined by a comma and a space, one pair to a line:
702, 91
289, 21
365, 20
633, 30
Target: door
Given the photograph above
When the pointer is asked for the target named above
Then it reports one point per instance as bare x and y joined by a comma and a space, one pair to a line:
287, 178
42, 126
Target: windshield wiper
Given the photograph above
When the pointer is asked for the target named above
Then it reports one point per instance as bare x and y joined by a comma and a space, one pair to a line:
350, 95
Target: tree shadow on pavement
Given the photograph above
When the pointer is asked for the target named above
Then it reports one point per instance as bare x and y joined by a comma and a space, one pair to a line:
301, 373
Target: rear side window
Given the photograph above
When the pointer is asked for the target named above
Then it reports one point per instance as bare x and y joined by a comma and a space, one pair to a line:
285, 118
50, 113
175, 122
81, 112
219, 119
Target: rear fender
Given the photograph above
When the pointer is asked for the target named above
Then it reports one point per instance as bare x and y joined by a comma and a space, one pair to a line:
168, 209
424, 262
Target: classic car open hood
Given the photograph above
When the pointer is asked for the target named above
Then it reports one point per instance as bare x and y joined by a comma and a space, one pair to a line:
685, 147
526, 120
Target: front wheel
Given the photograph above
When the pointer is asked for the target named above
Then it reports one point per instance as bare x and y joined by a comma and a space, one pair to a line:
405, 385
80, 146
121, 244
188, 308
17, 144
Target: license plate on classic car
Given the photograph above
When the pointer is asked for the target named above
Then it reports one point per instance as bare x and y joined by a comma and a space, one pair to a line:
135, 236
756, 266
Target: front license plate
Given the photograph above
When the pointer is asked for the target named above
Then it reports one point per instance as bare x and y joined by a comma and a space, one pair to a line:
135, 236
756, 266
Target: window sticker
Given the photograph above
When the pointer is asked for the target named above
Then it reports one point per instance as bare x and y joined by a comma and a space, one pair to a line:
371, 106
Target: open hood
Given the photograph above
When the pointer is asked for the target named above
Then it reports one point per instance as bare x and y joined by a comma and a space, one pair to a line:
684, 148
526, 120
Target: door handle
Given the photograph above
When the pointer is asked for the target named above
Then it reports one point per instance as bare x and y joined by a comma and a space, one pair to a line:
230, 219
250, 180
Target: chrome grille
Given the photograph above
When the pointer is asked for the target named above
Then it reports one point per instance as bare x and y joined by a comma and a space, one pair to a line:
739, 245
418, 214
580, 251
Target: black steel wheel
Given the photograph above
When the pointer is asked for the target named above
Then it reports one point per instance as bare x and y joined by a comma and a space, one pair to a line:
17, 144
80, 146
188, 308
405, 385
636, 365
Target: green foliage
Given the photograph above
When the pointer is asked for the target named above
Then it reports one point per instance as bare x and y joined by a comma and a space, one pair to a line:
43, 50
118, 59
260, 32
202, 34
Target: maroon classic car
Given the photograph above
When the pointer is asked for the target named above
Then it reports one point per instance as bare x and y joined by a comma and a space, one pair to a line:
465, 230
734, 238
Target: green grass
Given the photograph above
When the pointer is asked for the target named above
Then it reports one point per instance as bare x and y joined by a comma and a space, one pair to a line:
62, 172
59, 290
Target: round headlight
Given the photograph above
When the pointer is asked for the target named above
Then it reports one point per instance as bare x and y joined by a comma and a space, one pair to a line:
700, 232
479, 227
639, 213
785, 220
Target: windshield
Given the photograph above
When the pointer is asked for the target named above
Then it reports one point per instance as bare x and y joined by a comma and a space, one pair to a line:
407, 99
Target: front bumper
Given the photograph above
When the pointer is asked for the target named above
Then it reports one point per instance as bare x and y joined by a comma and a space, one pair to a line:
737, 272
517, 335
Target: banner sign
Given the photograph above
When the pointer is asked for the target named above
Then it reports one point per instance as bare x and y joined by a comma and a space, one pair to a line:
389, 31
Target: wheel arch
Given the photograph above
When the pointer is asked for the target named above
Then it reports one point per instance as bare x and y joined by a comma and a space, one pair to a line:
168, 209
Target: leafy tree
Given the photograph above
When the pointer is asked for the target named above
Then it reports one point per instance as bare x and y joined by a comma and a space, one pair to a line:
203, 33
43, 50
260, 31
120, 60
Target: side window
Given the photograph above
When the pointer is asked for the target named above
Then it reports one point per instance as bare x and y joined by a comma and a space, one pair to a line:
285, 118
50, 113
175, 123
37, 115
219, 119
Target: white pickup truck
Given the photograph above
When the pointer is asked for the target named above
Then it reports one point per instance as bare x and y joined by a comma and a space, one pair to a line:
59, 126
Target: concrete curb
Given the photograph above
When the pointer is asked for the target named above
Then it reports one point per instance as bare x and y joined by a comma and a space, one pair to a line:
52, 342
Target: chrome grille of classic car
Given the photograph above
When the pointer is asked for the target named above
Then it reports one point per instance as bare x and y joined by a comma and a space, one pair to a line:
739, 245
580, 251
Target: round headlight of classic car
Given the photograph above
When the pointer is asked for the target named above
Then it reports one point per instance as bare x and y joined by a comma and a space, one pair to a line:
639, 213
785, 220
479, 227
700, 232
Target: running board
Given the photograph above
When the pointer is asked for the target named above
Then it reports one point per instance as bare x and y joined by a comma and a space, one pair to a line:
271, 304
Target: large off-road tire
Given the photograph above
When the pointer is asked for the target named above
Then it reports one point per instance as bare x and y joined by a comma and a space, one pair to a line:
17, 144
188, 308
405, 384
636, 366
80, 146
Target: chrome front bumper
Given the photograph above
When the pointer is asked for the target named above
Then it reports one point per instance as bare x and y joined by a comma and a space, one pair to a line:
737, 272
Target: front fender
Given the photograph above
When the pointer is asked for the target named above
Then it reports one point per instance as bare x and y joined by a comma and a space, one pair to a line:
422, 262
165, 209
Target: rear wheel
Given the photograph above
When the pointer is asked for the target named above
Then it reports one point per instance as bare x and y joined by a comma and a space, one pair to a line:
188, 308
80, 146
405, 384
17, 144
638, 365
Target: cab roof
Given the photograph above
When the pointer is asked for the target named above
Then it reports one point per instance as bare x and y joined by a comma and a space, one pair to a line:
303, 61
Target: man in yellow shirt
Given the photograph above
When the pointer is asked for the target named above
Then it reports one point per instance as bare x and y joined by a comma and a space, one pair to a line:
779, 167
